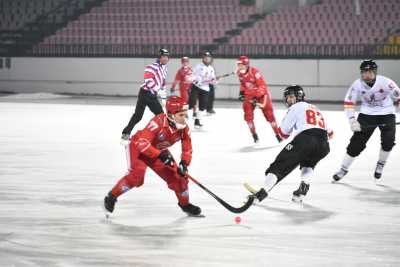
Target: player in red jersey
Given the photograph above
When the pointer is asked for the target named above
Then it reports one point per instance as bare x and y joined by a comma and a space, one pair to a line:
184, 78
254, 93
149, 148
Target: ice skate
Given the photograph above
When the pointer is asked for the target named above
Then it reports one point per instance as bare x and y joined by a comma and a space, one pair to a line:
301, 192
109, 204
191, 210
197, 124
339, 175
379, 170
255, 138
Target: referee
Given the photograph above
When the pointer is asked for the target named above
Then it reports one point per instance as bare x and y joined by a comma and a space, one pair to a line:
154, 81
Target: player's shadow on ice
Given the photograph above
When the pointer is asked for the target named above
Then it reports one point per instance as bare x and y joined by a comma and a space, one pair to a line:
247, 149
389, 195
155, 236
300, 213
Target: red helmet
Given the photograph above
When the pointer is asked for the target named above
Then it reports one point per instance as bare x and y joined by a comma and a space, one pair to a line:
176, 104
243, 60
184, 59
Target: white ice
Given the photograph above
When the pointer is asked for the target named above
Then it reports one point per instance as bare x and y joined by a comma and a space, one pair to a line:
58, 161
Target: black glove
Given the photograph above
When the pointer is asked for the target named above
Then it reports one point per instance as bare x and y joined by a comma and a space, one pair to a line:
254, 102
166, 158
182, 168
241, 96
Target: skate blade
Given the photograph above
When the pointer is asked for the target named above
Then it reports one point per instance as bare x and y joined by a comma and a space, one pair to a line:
298, 199
336, 180
107, 214
196, 216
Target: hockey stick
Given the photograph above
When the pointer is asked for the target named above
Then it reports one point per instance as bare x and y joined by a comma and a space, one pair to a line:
225, 75
220, 77
241, 209
379, 125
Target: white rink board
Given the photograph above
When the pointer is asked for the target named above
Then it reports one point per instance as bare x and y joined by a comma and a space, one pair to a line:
57, 162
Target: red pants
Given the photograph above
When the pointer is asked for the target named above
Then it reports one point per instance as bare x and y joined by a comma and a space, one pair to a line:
184, 92
267, 110
137, 169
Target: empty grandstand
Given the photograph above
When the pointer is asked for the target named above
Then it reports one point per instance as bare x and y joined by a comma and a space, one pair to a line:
343, 28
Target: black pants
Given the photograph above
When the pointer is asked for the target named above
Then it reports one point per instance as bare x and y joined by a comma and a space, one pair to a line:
211, 97
306, 150
198, 94
145, 98
368, 125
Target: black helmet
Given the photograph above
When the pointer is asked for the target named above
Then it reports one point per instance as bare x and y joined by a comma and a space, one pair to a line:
295, 90
207, 54
368, 65
163, 52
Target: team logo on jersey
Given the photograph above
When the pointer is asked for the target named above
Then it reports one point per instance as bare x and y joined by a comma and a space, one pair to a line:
289, 147
372, 98
249, 85
125, 188
161, 137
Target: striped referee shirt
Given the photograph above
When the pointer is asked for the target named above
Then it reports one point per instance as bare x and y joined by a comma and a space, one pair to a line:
154, 77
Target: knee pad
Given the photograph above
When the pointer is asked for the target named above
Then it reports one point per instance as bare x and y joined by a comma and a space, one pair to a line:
355, 149
134, 179
387, 146
180, 185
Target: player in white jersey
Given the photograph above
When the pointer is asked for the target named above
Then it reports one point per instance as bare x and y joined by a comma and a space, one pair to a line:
307, 148
378, 95
203, 76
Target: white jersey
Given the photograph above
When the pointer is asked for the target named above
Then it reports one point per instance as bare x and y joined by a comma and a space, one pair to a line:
203, 76
376, 100
300, 117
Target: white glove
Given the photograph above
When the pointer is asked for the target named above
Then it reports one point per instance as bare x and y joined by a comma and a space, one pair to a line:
163, 94
125, 139
354, 125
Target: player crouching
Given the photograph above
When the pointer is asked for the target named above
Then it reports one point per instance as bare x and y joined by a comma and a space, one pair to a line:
308, 147
149, 148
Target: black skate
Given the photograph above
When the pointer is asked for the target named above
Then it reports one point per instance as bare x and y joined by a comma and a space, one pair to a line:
210, 112
278, 138
197, 124
379, 170
301, 192
109, 203
255, 138
339, 175
191, 209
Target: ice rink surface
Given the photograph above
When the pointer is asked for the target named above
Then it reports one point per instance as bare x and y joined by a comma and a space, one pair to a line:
58, 160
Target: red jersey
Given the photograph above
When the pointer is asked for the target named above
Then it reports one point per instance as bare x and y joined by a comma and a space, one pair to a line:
160, 135
183, 78
252, 83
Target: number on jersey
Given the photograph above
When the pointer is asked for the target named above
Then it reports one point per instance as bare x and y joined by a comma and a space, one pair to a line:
152, 126
315, 118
